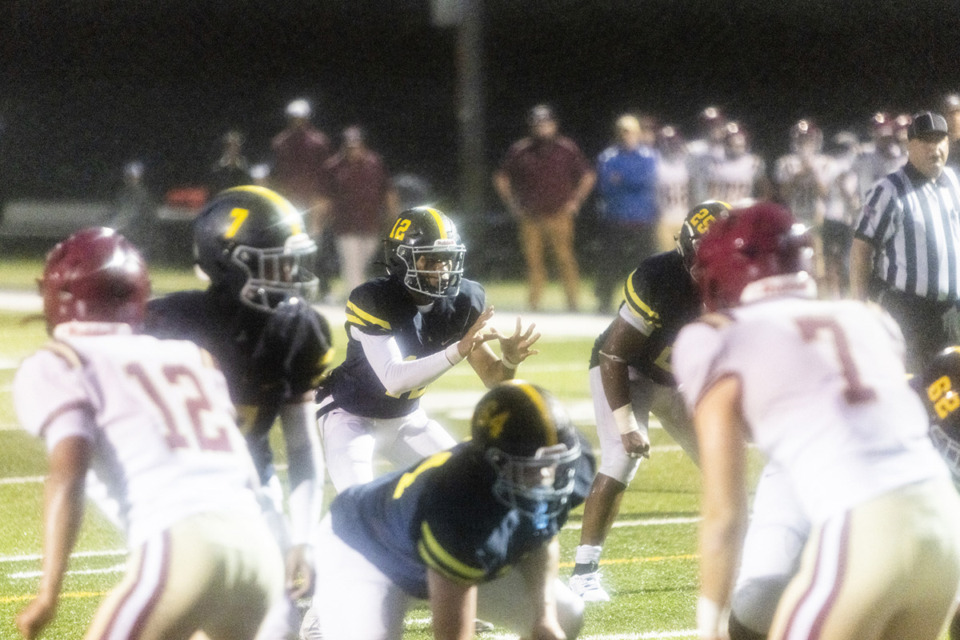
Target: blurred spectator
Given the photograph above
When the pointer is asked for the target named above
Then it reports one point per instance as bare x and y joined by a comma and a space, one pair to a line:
842, 207
135, 209
803, 178
231, 168
299, 153
737, 174
627, 190
362, 203
260, 174
803, 175
706, 151
884, 155
413, 191
543, 180
673, 185
951, 110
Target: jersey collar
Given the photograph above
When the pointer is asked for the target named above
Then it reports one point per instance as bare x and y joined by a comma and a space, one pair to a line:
793, 285
75, 328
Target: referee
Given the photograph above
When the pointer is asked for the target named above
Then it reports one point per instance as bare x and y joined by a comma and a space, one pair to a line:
907, 240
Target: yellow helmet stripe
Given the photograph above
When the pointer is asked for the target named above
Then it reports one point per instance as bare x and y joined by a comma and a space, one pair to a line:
438, 217
546, 419
277, 200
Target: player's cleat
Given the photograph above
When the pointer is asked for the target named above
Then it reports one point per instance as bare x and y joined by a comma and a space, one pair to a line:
587, 586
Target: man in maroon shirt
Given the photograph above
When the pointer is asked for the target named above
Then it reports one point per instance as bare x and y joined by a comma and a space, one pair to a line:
362, 202
543, 181
299, 152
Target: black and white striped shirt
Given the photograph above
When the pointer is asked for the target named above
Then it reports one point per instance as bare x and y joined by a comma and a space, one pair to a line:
913, 223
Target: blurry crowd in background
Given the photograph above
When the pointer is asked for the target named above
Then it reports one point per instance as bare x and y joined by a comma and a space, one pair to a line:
625, 202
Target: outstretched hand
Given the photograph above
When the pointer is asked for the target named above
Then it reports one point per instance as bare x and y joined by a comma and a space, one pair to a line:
516, 348
475, 336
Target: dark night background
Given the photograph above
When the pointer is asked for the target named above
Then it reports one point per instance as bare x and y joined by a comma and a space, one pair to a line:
87, 85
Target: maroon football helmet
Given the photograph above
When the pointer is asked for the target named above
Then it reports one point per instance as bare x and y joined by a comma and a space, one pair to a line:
94, 275
751, 243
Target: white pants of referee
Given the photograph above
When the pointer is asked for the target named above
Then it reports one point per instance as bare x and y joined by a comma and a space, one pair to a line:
354, 600
351, 442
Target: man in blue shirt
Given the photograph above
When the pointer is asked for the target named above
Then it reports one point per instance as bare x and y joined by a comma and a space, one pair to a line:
627, 187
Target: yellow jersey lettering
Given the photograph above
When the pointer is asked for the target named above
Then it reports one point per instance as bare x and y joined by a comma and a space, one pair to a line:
945, 399
407, 479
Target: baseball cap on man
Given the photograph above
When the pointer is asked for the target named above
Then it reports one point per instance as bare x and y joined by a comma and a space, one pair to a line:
540, 113
299, 108
927, 124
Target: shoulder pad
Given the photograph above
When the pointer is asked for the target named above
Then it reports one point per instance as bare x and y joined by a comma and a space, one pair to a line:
65, 352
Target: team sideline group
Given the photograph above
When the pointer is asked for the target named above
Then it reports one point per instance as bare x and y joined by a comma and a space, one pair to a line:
726, 338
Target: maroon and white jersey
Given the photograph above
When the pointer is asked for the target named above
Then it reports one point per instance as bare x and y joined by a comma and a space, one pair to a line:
673, 189
804, 183
159, 417
825, 393
733, 179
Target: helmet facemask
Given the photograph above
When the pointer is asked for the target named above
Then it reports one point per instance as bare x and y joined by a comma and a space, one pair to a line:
433, 270
276, 274
538, 487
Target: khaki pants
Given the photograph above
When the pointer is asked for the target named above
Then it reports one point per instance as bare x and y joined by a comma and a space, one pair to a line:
887, 569
212, 572
558, 233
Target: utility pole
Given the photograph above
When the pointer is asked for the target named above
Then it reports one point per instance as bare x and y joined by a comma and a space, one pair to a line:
467, 17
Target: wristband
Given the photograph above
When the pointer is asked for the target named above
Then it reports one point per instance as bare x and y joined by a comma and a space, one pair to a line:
453, 354
626, 421
508, 363
710, 618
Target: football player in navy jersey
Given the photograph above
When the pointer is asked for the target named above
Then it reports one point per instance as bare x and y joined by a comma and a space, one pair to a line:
404, 330
630, 378
256, 320
448, 528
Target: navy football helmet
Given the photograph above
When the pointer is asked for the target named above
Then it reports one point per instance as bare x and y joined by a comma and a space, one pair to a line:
251, 240
423, 249
95, 275
528, 438
696, 223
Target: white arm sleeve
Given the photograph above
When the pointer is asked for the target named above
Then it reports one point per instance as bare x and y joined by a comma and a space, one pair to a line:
398, 375
304, 453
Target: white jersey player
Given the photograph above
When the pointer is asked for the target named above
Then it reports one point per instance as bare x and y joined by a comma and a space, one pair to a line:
154, 423
739, 174
820, 388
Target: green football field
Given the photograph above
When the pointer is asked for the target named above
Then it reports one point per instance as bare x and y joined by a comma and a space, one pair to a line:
649, 563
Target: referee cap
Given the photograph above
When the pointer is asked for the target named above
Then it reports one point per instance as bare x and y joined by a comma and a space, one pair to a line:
927, 124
